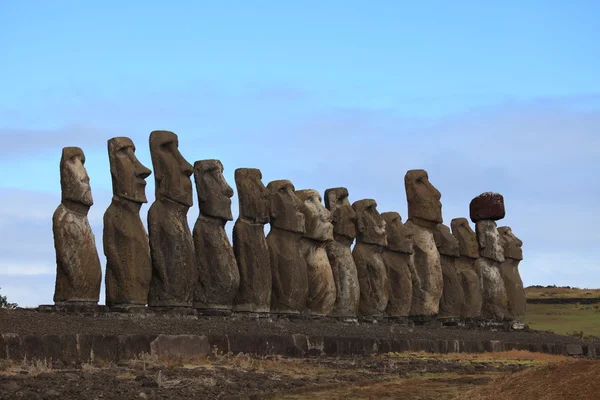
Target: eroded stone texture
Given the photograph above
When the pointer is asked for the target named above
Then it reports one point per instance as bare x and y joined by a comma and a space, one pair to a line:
372, 276
128, 263
452, 299
249, 243
495, 300
465, 267
487, 206
339, 253
318, 232
509, 270
174, 271
218, 275
288, 267
424, 213
78, 271
398, 262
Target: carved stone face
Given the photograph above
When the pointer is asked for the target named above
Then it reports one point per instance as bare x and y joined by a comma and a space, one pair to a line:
214, 194
446, 243
317, 219
253, 196
512, 245
467, 240
422, 197
171, 171
74, 179
369, 223
343, 215
396, 233
128, 174
285, 207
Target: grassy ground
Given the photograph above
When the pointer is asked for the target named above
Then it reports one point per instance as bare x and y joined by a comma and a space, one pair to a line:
560, 292
565, 318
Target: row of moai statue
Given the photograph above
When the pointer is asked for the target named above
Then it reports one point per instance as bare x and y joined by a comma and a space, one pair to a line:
305, 265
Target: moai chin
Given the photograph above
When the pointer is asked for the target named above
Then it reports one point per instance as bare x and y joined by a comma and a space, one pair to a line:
78, 271
218, 275
128, 263
174, 271
249, 243
288, 267
372, 276
424, 213
485, 209
397, 257
452, 299
509, 269
465, 267
318, 232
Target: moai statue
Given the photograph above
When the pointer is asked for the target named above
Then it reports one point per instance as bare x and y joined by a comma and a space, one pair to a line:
424, 214
345, 275
509, 270
249, 243
465, 267
485, 210
174, 271
78, 271
128, 263
372, 276
452, 299
288, 267
397, 257
218, 275
318, 232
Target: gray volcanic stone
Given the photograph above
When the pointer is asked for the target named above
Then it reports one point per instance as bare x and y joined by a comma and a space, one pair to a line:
509, 270
452, 299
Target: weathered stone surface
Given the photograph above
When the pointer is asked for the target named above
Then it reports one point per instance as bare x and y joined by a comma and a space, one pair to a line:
174, 271
465, 267
249, 243
126, 247
488, 240
78, 271
467, 240
218, 275
487, 206
186, 346
509, 270
318, 232
339, 253
422, 197
288, 267
398, 262
493, 292
512, 245
452, 295
372, 275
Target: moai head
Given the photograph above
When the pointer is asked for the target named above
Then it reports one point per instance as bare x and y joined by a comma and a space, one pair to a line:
512, 245
171, 171
253, 196
214, 194
317, 219
422, 197
285, 207
396, 233
343, 215
446, 243
74, 179
467, 240
370, 224
127, 172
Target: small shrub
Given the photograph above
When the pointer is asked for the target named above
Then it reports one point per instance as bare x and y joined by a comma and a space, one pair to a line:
5, 304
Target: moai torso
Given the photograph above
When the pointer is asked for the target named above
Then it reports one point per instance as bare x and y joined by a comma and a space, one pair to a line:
218, 275
78, 271
465, 267
452, 299
509, 270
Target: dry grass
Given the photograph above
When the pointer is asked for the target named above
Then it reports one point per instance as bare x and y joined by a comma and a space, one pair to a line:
36, 366
559, 292
512, 355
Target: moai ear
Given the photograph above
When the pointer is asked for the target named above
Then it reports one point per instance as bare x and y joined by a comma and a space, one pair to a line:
360, 224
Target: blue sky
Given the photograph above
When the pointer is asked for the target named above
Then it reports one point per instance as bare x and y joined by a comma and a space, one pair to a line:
486, 96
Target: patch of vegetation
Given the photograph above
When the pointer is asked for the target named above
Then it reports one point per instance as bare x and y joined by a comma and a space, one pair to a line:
578, 320
557, 292
5, 304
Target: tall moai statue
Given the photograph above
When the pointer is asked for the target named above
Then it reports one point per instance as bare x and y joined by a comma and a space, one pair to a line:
509, 269
218, 275
128, 263
174, 271
249, 243
318, 232
397, 257
78, 271
452, 299
424, 214
288, 267
339, 253
465, 266
485, 210
372, 276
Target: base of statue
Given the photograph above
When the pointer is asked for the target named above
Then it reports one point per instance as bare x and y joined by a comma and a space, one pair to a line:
403, 321
451, 321
129, 309
214, 312
251, 315
75, 307
179, 311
